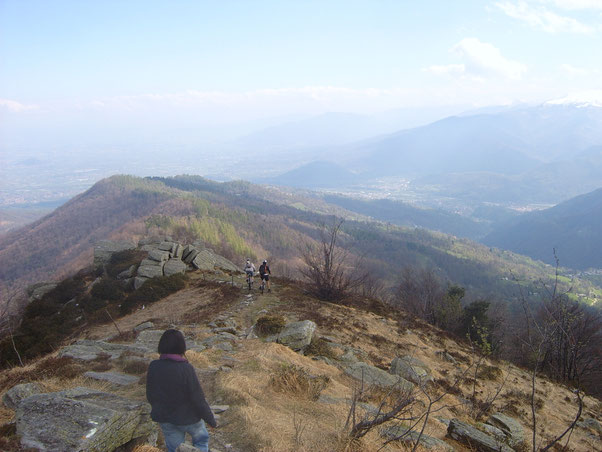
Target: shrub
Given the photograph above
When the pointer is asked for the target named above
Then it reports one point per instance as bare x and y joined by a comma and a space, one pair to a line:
123, 260
295, 380
152, 290
107, 289
269, 324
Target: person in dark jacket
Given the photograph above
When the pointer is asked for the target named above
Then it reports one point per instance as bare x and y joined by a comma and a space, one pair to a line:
176, 397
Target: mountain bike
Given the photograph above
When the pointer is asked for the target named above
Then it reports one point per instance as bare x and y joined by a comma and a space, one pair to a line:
262, 286
249, 280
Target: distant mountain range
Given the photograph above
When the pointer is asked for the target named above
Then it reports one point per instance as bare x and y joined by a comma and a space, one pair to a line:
573, 228
542, 154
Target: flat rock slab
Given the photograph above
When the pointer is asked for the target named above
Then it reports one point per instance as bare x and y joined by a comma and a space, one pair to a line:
81, 419
113, 378
297, 335
104, 249
14, 395
509, 426
376, 377
474, 438
150, 270
87, 350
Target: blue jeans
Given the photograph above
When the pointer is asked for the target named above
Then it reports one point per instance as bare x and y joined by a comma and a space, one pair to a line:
174, 435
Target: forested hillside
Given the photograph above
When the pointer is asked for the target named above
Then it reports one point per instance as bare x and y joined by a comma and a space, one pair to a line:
239, 219
573, 228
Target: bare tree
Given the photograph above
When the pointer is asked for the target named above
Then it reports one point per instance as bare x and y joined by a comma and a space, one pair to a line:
331, 271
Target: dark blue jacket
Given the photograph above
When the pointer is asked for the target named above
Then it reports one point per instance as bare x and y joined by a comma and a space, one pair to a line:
175, 395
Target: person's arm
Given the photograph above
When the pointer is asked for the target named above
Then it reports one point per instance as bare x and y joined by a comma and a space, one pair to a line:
198, 399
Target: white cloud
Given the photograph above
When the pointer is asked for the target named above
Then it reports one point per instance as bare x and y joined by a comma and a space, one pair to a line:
544, 19
590, 98
482, 59
452, 69
574, 71
15, 106
575, 4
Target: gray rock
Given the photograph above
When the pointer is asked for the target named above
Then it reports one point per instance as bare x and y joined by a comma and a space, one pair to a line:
166, 246
411, 369
14, 395
144, 326
469, 435
373, 376
349, 357
177, 251
410, 437
139, 281
189, 254
151, 271
510, 426
149, 339
149, 247
158, 255
493, 431
297, 335
87, 350
202, 262
104, 249
174, 266
81, 419
37, 291
113, 378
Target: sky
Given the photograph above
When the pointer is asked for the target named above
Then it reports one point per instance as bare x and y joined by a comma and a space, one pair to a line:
71, 68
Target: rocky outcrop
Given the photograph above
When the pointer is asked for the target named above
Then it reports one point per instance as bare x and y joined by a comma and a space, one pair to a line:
14, 395
297, 335
165, 258
411, 369
373, 376
104, 249
82, 419
474, 438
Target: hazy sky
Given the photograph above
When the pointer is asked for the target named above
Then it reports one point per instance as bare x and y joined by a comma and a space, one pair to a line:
81, 64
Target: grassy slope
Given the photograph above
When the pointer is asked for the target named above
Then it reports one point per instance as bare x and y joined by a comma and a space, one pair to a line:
267, 415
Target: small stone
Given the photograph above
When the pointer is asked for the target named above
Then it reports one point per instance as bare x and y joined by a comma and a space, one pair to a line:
144, 326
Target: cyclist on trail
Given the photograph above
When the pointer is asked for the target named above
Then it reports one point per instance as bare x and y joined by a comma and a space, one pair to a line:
250, 269
264, 272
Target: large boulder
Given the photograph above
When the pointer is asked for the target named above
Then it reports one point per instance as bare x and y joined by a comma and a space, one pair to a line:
166, 245
297, 335
104, 249
174, 266
139, 281
189, 254
373, 376
14, 395
81, 419
411, 369
510, 426
474, 438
